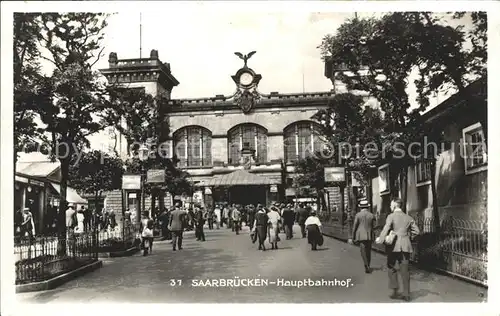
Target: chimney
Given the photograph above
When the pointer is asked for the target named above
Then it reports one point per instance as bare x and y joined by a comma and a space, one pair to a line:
113, 59
153, 54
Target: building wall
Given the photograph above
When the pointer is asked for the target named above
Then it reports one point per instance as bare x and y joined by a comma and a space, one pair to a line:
458, 195
219, 123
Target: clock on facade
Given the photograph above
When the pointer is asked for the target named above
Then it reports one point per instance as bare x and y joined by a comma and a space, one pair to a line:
246, 78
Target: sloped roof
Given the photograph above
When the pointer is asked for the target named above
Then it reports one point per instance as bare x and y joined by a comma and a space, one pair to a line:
239, 177
37, 168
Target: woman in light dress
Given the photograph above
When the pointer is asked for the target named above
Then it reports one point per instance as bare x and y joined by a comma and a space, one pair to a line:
80, 219
273, 227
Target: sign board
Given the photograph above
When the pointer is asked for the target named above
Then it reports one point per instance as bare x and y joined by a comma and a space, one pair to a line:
131, 182
274, 188
36, 182
156, 176
334, 174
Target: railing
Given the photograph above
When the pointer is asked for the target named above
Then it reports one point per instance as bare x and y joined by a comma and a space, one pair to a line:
43, 257
460, 247
118, 238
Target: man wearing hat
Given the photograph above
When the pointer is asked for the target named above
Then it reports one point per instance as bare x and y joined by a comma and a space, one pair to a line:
362, 232
288, 220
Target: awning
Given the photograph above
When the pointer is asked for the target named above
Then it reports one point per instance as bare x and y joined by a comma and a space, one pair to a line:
71, 195
239, 177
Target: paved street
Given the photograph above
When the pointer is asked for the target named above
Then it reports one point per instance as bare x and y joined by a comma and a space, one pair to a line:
225, 255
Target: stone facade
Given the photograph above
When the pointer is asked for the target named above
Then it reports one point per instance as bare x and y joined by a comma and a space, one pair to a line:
216, 117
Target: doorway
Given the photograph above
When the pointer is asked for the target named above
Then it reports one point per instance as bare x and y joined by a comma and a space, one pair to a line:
245, 195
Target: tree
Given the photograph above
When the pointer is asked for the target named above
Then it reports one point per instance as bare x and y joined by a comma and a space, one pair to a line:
392, 48
96, 172
78, 97
145, 119
31, 88
310, 172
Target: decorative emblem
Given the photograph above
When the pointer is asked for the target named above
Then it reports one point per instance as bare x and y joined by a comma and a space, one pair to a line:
247, 162
246, 100
245, 57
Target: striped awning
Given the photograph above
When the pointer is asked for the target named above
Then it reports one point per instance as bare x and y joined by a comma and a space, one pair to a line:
239, 177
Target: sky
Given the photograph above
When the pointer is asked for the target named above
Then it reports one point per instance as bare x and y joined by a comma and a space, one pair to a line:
199, 44
200, 48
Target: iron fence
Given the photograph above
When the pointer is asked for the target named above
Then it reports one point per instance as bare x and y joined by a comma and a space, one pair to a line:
118, 238
459, 247
43, 257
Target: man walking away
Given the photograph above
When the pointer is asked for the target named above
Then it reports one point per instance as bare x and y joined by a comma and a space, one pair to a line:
288, 220
236, 218
261, 220
224, 212
176, 225
210, 218
399, 227
199, 222
251, 216
302, 214
362, 233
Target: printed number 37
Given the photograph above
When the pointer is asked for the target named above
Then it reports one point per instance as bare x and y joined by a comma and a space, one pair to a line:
174, 282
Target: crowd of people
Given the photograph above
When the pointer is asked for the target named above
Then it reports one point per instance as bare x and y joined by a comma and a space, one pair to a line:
265, 223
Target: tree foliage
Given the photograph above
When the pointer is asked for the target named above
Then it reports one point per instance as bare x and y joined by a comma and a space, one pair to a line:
145, 119
69, 101
31, 87
383, 55
96, 172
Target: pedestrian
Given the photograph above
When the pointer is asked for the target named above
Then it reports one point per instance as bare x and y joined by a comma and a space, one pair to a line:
362, 233
225, 216
199, 222
281, 209
274, 226
70, 226
398, 230
210, 218
260, 226
218, 216
27, 225
288, 220
18, 221
86, 218
314, 232
302, 215
80, 221
177, 224
251, 216
236, 218
146, 229
163, 221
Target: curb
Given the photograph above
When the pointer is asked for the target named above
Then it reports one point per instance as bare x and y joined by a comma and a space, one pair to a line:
124, 253
58, 280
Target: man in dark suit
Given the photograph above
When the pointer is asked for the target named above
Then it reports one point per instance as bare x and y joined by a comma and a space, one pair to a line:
404, 228
302, 215
362, 232
288, 219
176, 226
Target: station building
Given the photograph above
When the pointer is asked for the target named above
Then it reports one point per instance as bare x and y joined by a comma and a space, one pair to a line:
237, 148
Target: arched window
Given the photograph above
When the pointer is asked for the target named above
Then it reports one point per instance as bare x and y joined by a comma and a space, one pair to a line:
301, 140
247, 135
193, 146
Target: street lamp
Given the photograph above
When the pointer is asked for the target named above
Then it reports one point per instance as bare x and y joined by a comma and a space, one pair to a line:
143, 155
